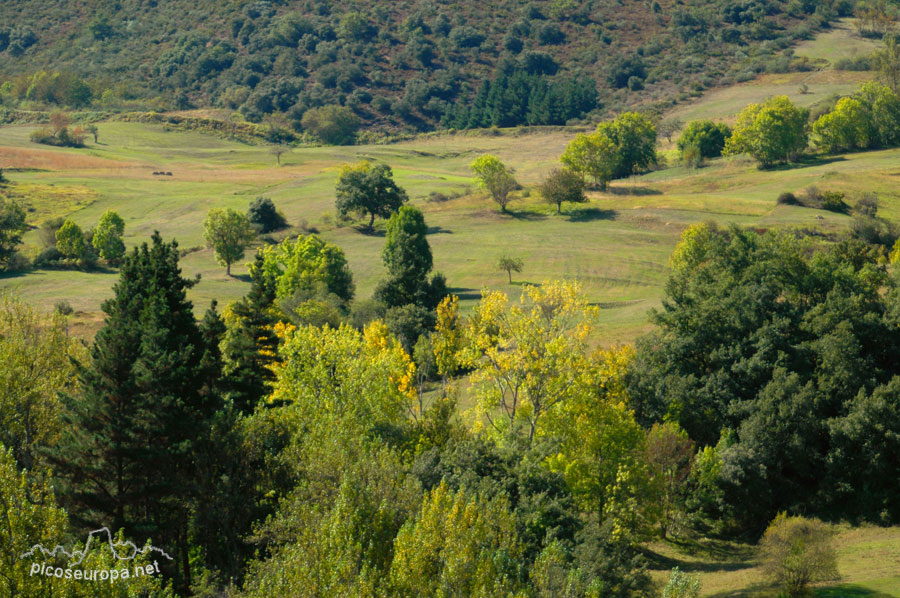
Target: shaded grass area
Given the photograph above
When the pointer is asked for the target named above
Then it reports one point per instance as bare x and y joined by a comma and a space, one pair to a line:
868, 563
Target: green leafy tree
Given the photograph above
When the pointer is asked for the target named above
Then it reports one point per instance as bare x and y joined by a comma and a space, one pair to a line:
28, 516
635, 137
366, 189
37, 355
107, 239
846, 127
669, 456
707, 136
887, 63
126, 453
334, 125
594, 155
457, 546
249, 343
796, 551
407, 257
12, 227
94, 131
493, 176
509, 265
227, 232
772, 132
263, 214
70, 240
562, 185
304, 265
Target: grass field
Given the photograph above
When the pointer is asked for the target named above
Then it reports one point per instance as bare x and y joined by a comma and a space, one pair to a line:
868, 564
617, 245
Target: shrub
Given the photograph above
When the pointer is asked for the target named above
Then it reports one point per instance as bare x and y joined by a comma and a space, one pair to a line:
796, 551
692, 156
334, 125
709, 137
63, 308
263, 215
787, 199
833, 201
681, 585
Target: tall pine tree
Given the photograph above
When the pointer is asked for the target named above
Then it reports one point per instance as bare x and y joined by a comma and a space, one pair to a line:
126, 456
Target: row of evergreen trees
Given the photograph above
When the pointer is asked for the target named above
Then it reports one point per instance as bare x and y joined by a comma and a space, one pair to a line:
516, 96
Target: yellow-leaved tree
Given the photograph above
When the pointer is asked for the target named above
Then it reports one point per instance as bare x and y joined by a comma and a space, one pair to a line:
344, 373
459, 546
527, 358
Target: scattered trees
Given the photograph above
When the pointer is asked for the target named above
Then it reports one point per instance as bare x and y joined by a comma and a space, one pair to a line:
562, 185
617, 149
772, 132
493, 176
227, 232
797, 551
509, 265
278, 151
364, 188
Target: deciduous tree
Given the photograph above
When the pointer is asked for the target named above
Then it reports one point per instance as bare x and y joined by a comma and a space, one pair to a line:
368, 189
493, 176
107, 238
562, 185
227, 232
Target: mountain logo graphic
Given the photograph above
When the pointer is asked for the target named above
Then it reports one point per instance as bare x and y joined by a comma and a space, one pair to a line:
129, 549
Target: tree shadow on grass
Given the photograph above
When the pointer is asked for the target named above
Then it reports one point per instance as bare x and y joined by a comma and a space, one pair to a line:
806, 162
590, 214
364, 229
465, 294
637, 191
439, 230
527, 215
848, 590
242, 277
663, 562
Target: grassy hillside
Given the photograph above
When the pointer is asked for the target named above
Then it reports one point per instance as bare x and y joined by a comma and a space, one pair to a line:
868, 563
617, 245
402, 64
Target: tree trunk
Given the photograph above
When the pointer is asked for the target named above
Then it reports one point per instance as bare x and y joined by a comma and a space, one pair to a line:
559, 208
372, 222
228, 268
509, 273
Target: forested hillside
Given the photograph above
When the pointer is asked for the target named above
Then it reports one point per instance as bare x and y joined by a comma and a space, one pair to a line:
398, 65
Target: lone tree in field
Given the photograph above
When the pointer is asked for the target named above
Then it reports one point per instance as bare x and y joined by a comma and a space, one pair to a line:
493, 176
366, 189
510, 265
796, 551
228, 232
562, 185
278, 151
92, 129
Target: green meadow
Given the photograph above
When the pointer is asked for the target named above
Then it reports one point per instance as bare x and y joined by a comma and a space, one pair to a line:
617, 245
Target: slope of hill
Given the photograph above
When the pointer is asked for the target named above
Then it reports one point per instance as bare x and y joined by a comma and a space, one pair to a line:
407, 64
